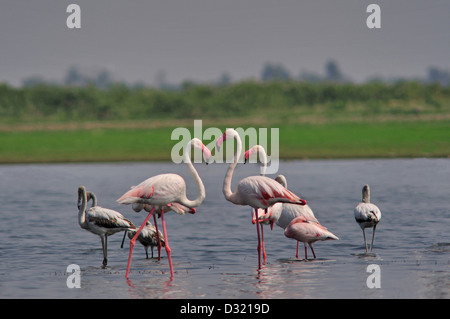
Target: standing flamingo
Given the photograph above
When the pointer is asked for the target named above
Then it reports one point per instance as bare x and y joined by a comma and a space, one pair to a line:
100, 221
307, 232
255, 191
283, 214
263, 158
163, 193
149, 237
367, 215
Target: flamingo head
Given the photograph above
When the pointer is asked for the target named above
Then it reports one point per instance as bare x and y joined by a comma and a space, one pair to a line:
81, 192
250, 151
229, 133
196, 143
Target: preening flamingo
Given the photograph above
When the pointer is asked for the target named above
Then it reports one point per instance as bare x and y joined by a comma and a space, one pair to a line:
255, 191
149, 237
283, 214
163, 193
367, 215
307, 232
100, 221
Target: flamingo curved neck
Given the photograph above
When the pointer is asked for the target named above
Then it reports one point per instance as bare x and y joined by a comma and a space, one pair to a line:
263, 159
201, 188
229, 195
82, 200
282, 180
92, 196
366, 194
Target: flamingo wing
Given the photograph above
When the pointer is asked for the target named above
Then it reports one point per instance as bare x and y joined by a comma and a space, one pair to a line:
107, 218
305, 231
291, 211
367, 214
156, 191
262, 192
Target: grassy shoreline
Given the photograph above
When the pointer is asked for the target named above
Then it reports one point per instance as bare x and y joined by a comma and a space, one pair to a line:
300, 139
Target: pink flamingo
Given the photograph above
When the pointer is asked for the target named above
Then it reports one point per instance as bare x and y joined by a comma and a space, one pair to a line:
283, 214
306, 231
163, 193
263, 158
255, 191
280, 213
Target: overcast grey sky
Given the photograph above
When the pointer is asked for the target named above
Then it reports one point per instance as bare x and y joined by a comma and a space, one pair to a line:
201, 39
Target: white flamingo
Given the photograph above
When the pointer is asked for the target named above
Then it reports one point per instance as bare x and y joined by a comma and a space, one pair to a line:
163, 193
255, 191
367, 215
100, 221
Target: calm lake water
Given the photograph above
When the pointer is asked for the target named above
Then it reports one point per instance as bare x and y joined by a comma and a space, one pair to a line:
214, 250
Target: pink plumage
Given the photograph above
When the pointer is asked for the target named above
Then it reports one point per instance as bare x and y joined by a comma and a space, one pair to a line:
307, 232
163, 193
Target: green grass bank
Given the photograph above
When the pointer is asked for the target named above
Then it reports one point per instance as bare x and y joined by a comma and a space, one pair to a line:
357, 139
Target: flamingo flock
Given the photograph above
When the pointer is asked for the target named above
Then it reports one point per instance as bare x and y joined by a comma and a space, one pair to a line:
270, 200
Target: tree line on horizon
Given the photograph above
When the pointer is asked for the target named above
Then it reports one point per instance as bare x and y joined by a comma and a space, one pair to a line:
103, 78
247, 98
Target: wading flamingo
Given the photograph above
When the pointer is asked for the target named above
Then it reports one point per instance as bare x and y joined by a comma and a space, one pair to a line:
100, 221
254, 191
283, 214
307, 232
163, 193
148, 237
263, 159
367, 215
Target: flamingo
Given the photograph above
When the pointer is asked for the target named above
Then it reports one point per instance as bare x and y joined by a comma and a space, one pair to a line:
367, 215
263, 158
149, 237
254, 191
280, 213
163, 193
100, 221
283, 214
307, 232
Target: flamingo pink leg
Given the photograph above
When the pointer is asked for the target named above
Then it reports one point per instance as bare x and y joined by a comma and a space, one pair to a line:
306, 253
157, 236
298, 244
133, 240
263, 246
259, 240
312, 251
168, 250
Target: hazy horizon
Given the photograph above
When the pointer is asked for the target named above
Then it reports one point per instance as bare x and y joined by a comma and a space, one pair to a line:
173, 40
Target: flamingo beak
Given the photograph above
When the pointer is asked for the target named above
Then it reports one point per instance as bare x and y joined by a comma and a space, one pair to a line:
206, 153
246, 156
220, 140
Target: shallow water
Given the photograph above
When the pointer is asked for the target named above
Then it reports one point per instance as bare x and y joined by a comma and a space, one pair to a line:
214, 250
